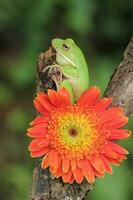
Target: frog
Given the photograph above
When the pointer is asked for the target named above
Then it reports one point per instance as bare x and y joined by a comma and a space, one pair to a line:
71, 62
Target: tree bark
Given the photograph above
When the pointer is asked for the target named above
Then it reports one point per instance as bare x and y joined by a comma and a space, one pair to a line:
44, 185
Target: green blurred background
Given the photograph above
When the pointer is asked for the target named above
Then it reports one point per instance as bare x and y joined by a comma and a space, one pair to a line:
102, 29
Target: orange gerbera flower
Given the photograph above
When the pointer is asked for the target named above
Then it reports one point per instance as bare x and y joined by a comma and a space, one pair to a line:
77, 141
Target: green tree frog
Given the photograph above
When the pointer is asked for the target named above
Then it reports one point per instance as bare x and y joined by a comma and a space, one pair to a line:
72, 63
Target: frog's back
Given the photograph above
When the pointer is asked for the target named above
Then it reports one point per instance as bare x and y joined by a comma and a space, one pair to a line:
82, 83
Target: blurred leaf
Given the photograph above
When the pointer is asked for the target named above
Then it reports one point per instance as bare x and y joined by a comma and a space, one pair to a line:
80, 14
113, 28
10, 11
6, 95
24, 70
114, 186
101, 71
16, 120
20, 179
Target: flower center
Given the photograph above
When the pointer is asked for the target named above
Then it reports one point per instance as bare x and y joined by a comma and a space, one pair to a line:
73, 132
76, 131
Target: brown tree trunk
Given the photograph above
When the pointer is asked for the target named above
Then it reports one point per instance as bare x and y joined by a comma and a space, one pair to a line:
44, 185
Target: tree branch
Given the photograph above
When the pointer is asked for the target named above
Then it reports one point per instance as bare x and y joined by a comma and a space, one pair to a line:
44, 185
120, 86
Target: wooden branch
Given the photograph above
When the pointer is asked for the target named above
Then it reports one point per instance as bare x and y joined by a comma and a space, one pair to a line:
120, 86
44, 185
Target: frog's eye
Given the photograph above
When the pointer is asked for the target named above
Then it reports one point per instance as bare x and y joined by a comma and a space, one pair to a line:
66, 47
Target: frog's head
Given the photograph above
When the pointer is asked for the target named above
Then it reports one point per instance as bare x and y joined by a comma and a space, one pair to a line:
65, 51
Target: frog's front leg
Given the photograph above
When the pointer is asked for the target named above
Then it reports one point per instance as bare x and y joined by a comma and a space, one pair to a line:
66, 84
51, 67
70, 72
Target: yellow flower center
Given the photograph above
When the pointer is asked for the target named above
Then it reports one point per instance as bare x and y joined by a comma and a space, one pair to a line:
76, 131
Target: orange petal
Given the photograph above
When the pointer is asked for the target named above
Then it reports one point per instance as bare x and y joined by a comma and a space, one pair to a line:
103, 104
80, 164
121, 157
67, 176
44, 143
97, 163
110, 113
78, 175
73, 164
39, 120
117, 148
40, 152
98, 174
71, 180
65, 96
56, 167
44, 101
109, 152
90, 97
39, 107
45, 161
65, 165
38, 144
107, 165
88, 171
34, 145
51, 169
114, 161
38, 131
54, 160
55, 98
117, 122
59, 172
117, 134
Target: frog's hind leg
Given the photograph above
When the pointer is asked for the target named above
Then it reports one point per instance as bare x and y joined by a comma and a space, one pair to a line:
66, 84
